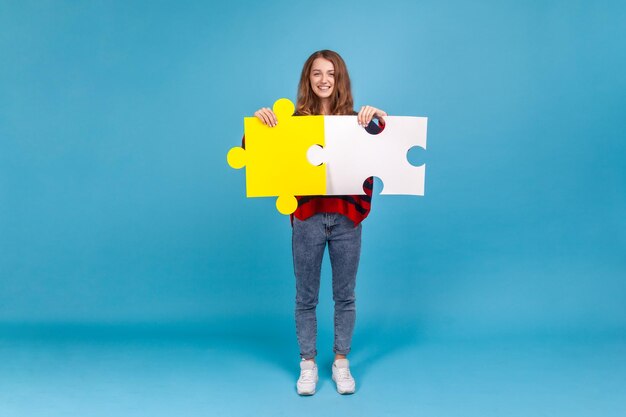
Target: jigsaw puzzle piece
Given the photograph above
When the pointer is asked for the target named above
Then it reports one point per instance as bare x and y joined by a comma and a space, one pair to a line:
351, 155
275, 157
236, 157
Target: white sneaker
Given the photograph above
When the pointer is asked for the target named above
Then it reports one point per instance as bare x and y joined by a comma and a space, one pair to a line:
308, 378
341, 376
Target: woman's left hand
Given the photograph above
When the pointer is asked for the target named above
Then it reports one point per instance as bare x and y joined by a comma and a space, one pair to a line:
367, 113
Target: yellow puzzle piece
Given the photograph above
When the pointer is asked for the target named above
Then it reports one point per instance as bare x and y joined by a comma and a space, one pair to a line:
276, 157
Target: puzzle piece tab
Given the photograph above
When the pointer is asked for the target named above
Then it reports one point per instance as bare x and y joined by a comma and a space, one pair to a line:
275, 157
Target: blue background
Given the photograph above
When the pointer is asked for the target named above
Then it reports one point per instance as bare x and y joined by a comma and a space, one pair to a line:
123, 228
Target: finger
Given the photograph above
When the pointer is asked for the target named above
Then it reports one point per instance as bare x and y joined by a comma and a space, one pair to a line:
369, 115
381, 116
274, 118
271, 117
364, 115
377, 114
359, 117
267, 114
261, 116
267, 117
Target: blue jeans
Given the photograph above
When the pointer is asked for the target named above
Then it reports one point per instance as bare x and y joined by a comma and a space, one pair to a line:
309, 241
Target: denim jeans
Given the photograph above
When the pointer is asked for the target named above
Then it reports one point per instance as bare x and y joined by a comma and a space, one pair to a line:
309, 241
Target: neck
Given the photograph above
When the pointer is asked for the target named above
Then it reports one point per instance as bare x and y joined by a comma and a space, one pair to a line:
325, 107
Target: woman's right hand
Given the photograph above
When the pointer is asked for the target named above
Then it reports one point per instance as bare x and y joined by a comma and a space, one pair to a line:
267, 116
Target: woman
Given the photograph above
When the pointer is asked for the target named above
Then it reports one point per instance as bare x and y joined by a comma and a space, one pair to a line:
324, 89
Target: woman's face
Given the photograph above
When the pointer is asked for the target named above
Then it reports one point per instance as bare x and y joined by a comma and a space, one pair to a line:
322, 78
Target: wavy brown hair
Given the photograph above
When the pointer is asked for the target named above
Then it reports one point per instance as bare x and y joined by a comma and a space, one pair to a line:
341, 102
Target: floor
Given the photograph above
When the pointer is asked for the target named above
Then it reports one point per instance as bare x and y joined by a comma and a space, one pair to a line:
201, 370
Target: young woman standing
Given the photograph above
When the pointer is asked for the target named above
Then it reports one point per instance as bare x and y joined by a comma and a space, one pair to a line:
324, 89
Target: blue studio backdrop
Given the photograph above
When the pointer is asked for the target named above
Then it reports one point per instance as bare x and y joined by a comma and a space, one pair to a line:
117, 205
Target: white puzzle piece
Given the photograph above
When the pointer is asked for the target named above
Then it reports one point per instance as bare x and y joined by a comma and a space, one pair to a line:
351, 155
